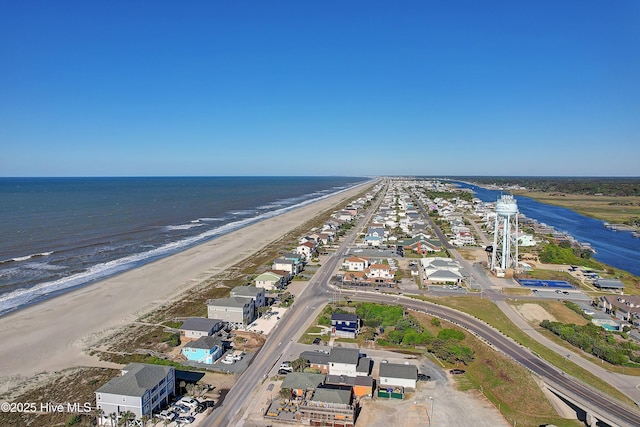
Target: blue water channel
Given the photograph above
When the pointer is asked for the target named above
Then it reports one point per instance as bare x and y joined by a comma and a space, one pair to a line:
616, 248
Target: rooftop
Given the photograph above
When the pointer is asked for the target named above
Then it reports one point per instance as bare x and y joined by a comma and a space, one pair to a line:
344, 355
136, 379
396, 370
200, 324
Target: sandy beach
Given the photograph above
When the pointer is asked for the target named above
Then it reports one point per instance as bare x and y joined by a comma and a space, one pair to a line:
52, 335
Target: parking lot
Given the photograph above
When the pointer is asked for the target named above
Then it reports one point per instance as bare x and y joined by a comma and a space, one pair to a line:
186, 411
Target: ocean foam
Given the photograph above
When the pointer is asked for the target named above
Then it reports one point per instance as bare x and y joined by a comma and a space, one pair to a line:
20, 297
26, 257
192, 224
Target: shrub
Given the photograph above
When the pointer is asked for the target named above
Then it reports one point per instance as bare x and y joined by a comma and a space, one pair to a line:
446, 334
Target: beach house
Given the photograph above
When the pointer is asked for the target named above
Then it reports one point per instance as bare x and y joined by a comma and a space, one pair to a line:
253, 292
290, 266
238, 312
306, 249
270, 280
203, 350
197, 327
140, 389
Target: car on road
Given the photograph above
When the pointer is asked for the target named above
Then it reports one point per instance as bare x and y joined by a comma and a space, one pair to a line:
185, 420
189, 402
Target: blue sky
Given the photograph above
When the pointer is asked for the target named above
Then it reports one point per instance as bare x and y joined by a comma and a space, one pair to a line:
319, 88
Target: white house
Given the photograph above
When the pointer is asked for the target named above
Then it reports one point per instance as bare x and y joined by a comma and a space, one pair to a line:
306, 249
141, 389
355, 264
398, 375
344, 361
380, 271
269, 281
290, 266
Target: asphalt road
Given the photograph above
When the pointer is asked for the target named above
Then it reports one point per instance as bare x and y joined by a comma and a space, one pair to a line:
293, 324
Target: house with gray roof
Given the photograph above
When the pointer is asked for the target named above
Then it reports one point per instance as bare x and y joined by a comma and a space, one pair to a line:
253, 292
141, 390
203, 350
398, 375
317, 360
611, 284
344, 361
236, 311
196, 327
290, 266
300, 382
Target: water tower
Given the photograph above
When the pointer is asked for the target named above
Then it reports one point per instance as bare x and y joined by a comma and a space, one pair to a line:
505, 255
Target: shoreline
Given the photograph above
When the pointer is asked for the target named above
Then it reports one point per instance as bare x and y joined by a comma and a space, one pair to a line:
19, 296
52, 335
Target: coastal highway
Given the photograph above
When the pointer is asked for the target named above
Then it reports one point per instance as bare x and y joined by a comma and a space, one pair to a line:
291, 326
613, 409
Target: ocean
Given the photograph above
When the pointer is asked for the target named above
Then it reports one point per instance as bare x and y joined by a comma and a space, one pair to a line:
61, 233
616, 248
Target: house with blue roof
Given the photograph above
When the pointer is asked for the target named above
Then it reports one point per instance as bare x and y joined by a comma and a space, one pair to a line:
345, 325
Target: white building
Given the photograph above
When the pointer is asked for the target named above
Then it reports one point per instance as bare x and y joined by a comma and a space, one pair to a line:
398, 375
141, 390
355, 264
344, 361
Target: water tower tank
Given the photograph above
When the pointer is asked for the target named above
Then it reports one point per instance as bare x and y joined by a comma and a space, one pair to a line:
506, 206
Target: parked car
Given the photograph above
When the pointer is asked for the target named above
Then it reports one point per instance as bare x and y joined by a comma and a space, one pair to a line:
180, 409
228, 360
316, 341
167, 415
185, 420
200, 408
189, 402
457, 371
